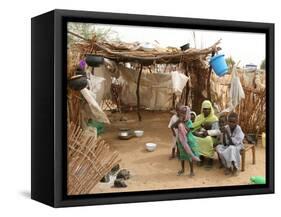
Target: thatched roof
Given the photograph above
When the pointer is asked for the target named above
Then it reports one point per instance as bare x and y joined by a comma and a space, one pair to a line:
132, 52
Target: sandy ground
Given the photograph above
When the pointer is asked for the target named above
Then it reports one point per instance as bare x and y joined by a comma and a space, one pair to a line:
154, 170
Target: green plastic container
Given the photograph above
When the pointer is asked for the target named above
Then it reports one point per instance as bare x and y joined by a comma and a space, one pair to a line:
257, 180
98, 125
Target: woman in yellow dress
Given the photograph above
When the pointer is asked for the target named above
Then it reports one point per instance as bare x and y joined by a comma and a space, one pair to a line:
205, 121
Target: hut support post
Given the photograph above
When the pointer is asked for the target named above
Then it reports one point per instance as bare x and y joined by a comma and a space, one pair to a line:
186, 86
138, 93
209, 80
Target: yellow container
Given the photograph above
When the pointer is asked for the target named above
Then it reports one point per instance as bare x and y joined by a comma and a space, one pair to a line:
263, 140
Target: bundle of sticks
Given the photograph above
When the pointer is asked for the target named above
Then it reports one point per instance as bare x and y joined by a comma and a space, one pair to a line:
252, 112
89, 160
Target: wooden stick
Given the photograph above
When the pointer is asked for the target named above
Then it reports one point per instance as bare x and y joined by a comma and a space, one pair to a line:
138, 93
186, 87
209, 79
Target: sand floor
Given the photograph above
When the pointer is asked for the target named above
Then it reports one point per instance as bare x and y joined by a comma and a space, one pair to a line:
154, 170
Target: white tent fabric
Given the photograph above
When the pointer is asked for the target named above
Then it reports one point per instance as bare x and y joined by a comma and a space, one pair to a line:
97, 87
156, 89
96, 110
103, 72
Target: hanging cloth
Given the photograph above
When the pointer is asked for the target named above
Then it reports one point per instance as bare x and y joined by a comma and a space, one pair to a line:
236, 93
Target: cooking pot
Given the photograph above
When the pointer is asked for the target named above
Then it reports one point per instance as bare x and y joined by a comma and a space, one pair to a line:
94, 60
78, 82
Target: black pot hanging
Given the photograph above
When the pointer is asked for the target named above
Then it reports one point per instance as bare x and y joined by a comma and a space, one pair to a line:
78, 82
94, 60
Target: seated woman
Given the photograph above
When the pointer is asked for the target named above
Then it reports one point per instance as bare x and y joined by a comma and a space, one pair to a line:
205, 121
231, 144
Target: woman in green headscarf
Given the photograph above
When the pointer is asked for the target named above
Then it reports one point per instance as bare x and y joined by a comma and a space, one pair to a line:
206, 120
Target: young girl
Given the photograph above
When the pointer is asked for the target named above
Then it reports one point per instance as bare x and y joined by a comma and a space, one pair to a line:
187, 146
173, 120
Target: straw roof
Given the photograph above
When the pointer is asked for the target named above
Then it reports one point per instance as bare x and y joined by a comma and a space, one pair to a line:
133, 52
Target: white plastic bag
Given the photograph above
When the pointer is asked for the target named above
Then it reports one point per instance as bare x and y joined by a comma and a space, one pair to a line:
178, 82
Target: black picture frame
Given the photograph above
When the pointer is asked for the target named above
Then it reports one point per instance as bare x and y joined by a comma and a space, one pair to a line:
48, 109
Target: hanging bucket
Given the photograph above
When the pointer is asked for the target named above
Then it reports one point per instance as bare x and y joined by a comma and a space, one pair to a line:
219, 65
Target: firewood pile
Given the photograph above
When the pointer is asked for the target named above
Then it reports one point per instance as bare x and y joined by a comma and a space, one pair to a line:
89, 160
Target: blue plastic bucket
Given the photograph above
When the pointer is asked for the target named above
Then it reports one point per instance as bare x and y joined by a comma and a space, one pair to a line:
219, 65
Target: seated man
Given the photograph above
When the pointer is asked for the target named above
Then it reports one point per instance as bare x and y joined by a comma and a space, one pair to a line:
230, 145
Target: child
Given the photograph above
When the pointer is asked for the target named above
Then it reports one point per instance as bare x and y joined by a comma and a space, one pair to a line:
231, 143
214, 131
192, 116
187, 146
173, 120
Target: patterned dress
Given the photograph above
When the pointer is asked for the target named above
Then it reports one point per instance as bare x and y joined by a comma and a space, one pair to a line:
190, 141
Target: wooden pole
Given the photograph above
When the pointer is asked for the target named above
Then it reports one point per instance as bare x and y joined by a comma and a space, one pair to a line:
208, 81
138, 93
186, 86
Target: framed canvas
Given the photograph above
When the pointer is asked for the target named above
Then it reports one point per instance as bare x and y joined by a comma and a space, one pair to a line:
134, 108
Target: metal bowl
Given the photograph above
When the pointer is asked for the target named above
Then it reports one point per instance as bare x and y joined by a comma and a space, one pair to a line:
125, 134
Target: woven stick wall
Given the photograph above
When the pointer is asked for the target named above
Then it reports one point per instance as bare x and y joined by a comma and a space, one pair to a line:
89, 159
251, 110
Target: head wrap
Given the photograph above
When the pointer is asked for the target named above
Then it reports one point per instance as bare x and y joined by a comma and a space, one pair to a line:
200, 119
192, 112
185, 110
